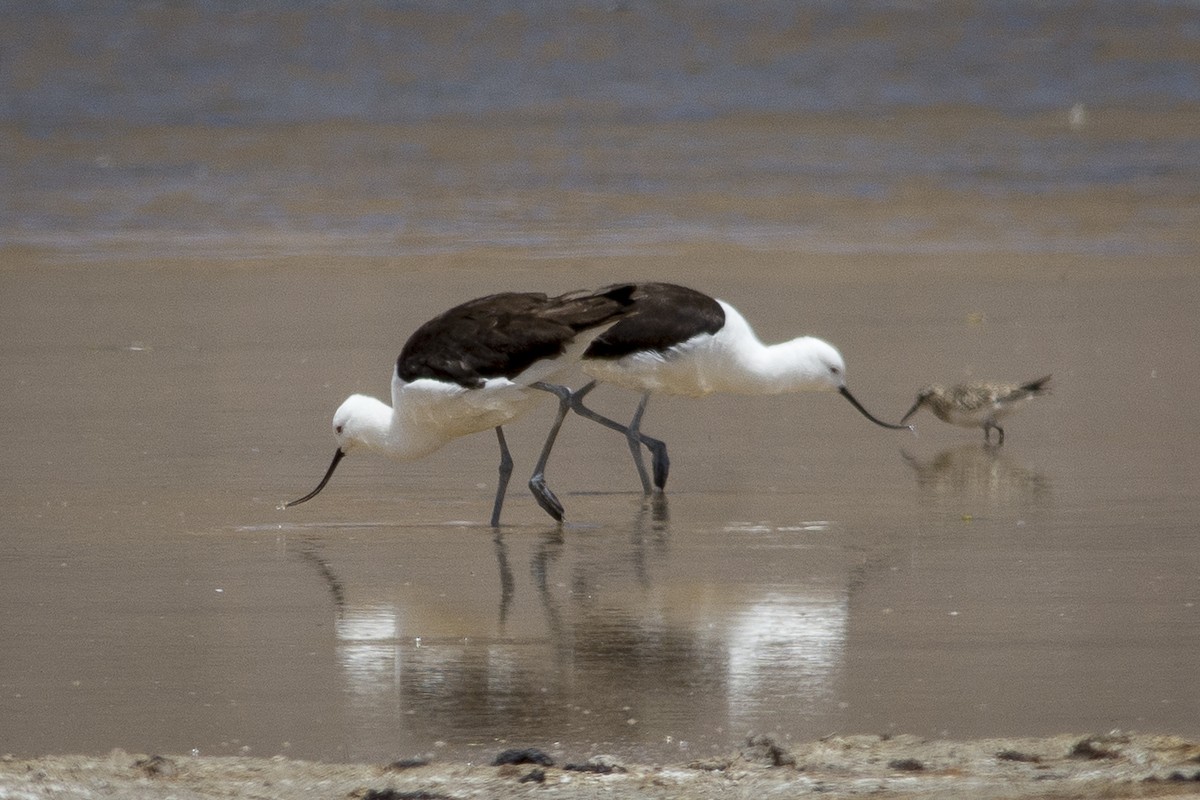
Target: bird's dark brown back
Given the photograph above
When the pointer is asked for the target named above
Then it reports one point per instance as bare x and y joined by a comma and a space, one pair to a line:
664, 315
501, 335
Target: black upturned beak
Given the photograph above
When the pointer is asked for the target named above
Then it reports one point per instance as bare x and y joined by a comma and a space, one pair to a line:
846, 394
337, 456
916, 407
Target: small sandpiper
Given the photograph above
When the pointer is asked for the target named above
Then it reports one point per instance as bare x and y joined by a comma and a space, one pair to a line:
977, 405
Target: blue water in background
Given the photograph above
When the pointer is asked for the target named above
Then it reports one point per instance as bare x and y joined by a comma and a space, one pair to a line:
104, 104
214, 63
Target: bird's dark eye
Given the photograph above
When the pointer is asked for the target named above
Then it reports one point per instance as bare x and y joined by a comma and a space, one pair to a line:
338, 429
835, 371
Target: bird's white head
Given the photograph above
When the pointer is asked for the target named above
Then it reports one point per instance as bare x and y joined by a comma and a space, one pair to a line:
359, 421
817, 364
362, 421
828, 372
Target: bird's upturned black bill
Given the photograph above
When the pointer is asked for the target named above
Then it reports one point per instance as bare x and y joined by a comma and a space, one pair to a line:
337, 456
911, 411
846, 394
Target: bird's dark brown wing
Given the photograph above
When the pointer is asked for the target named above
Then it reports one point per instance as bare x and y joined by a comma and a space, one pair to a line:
664, 315
501, 335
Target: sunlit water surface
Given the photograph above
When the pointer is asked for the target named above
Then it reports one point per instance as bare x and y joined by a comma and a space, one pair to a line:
807, 572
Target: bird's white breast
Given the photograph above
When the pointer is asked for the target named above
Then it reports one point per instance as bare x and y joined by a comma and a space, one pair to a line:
450, 411
683, 369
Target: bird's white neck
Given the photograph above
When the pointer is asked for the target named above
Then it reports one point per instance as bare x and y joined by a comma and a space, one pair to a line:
752, 367
371, 423
792, 366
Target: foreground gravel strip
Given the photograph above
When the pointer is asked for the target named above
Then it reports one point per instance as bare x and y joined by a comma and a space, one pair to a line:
1069, 766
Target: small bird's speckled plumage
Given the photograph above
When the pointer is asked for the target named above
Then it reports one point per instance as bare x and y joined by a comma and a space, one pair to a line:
977, 405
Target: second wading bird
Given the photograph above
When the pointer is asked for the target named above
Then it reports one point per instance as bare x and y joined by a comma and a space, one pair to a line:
477, 366
978, 405
683, 342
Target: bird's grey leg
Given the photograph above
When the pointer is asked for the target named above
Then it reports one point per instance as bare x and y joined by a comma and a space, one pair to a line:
658, 449
659, 460
537, 482
1000, 431
635, 445
579, 408
506, 467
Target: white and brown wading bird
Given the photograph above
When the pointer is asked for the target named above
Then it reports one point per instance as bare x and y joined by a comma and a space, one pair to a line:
477, 366
978, 405
683, 342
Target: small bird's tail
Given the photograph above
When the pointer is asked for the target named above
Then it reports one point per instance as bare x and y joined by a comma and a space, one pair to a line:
1037, 387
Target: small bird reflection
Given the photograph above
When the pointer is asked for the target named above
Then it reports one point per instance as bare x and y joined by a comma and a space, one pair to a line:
977, 472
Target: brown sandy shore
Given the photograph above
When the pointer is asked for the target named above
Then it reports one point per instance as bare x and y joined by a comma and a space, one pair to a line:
1068, 766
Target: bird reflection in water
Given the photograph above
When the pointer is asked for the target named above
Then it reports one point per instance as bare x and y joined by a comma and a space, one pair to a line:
308, 550
598, 633
978, 473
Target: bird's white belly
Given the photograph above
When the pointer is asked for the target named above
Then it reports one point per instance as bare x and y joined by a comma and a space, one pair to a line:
678, 371
450, 411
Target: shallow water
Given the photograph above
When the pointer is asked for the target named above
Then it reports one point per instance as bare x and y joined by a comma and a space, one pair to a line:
807, 573
194, 272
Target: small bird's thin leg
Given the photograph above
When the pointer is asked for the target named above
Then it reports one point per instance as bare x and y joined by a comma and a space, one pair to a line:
506, 468
999, 430
537, 482
657, 448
